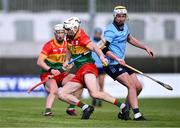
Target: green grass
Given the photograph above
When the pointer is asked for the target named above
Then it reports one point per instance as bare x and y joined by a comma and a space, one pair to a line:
27, 113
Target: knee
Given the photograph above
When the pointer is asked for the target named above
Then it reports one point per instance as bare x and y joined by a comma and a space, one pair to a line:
131, 86
139, 87
61, 95
53, 92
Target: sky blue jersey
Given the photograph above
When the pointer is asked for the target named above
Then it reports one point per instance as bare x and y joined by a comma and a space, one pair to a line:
95, 56
117, 41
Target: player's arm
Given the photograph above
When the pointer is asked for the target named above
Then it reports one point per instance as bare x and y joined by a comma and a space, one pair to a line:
132, 40
67, 59
98, 51
41, 62
68, 55
108, 53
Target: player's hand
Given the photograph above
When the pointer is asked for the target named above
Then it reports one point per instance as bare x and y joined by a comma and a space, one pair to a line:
55, 72
121, 61
104, 61
68, 68
149, 51
65, 64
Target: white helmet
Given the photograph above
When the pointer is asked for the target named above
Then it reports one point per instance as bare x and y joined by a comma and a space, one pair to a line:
58, 27
72, 23
119, 10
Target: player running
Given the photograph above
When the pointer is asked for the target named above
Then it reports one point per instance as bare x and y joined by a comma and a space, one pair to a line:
50, 60
85, 77
116, 36
101, 75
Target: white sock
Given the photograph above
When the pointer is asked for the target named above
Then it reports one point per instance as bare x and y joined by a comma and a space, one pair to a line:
137, 115
122, 105
70, 108
85, 106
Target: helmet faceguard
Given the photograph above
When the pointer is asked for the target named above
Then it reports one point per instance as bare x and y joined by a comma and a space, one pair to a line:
71, 25
120, 10
59, 32
120, 15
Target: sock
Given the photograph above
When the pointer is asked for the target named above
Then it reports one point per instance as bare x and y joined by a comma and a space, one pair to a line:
71, 107
99, 103
47, 110
136, 110
119, 104
94, 101
128, 105
82, 105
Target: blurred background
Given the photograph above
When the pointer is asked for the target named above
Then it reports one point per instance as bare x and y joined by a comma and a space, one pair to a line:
25, 25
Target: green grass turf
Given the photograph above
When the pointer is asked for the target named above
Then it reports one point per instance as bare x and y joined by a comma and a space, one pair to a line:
27, 113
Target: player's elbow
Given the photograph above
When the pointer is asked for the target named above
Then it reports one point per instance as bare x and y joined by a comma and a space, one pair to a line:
38, 62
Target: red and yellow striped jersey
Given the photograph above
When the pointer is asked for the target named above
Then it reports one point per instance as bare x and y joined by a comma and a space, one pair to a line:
78, 45
55, 53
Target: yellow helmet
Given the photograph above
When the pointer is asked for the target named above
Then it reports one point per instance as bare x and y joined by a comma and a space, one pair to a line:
119, 10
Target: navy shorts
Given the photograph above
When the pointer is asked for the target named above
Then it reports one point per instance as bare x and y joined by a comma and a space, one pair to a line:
101, 71
115, 70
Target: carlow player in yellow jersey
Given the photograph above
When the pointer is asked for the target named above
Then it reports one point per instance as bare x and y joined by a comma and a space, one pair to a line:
50, 60
85, 77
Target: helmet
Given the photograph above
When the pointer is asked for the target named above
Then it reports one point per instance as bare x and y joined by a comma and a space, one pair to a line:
119, 10
98, 30
72, 23
58, 27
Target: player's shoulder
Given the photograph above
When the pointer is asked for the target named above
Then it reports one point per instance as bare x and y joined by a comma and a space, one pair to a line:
49, 43
110, 27
82, 31
125, 25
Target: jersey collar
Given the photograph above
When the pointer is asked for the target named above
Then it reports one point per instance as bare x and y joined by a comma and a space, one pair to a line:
119, 28
56, 43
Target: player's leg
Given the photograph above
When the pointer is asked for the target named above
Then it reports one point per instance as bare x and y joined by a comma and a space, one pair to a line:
137, 83
90, 81
71, 108
66, 94
52, 88
101, 86
100, 81
126, 80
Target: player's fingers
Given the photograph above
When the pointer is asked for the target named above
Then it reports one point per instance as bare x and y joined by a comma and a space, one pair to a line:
105, 63
123, 62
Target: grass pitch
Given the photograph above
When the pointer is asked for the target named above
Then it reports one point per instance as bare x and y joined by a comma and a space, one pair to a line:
27, 113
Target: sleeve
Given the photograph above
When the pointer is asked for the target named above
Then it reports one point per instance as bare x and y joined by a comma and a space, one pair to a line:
109, 35
84, 39
46, 49
128, 32
106, 49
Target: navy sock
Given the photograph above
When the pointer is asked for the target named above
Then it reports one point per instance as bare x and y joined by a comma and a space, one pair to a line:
128, 105
136, 110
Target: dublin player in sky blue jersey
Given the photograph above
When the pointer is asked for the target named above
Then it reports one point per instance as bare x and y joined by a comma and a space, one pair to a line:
117, 35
